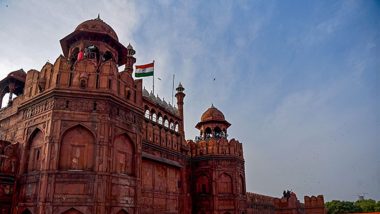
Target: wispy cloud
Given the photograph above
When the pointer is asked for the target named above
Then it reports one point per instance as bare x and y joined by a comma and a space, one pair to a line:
297, 80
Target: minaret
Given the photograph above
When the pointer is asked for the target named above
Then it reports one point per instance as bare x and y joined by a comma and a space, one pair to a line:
180, 95
130, 61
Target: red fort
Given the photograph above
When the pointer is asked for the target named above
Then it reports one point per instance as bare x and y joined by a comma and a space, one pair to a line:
84, 137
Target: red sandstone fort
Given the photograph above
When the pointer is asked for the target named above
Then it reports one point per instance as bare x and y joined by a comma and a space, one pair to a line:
83, 137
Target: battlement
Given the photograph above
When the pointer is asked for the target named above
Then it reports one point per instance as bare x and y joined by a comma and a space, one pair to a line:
315, 204
216, 146
258, 199
257, 203
314, 201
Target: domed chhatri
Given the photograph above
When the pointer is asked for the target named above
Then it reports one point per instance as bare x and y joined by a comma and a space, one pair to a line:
97, 26
212, 116
97, 36
213, 124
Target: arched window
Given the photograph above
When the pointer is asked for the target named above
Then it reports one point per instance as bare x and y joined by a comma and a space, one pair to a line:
107, 56
160, 121
203, 185
225, 183
91, 52
218, 132
171, 125
176, 127
36, 142
208, 132
74, 55
166, 123
123, 155
147, 114
9, 97
77, 149
154, 117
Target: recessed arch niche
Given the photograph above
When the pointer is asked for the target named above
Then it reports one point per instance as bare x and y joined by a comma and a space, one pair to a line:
35, 150
77, 149
123, 155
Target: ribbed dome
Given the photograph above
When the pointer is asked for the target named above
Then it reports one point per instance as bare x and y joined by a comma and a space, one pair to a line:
212, 114
98, 26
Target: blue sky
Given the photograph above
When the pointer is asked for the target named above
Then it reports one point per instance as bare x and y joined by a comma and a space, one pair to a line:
298, 80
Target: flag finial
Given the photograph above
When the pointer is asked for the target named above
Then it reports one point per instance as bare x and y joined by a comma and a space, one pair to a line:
98, 16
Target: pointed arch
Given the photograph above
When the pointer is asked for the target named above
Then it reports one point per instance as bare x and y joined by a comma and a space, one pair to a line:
72, 211
77, 149
166, 122
217, 132
34, 150
153, 115
225, 183
160, 119
107, 56
123, 154
147, 114
176, 127
171, 124
208, 132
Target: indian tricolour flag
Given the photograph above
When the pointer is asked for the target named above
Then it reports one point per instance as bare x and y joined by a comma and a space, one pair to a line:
144, 70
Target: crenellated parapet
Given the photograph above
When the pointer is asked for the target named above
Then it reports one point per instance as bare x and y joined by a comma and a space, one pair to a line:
216, 147
257, 203
315, 204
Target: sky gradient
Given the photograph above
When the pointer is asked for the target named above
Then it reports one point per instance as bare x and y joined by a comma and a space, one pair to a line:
298, 80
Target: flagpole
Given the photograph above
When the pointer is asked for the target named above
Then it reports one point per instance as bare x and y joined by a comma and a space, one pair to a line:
173, 90
153, 79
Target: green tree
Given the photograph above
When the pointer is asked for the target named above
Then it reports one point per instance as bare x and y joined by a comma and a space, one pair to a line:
377, 207
338, 207
367, 205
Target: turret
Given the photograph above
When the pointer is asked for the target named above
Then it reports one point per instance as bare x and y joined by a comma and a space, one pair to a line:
217, 171
213, 124
130, 59
180, 96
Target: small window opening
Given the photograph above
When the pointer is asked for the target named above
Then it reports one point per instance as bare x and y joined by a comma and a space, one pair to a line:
92, 52
94, 106
107, 56
83, 84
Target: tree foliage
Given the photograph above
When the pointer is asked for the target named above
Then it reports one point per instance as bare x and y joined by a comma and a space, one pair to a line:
365, 206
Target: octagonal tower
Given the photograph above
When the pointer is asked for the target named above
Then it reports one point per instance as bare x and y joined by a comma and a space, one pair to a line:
79, 127
217, 167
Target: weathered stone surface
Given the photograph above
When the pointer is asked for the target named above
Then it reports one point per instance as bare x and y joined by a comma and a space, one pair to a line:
82, 137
